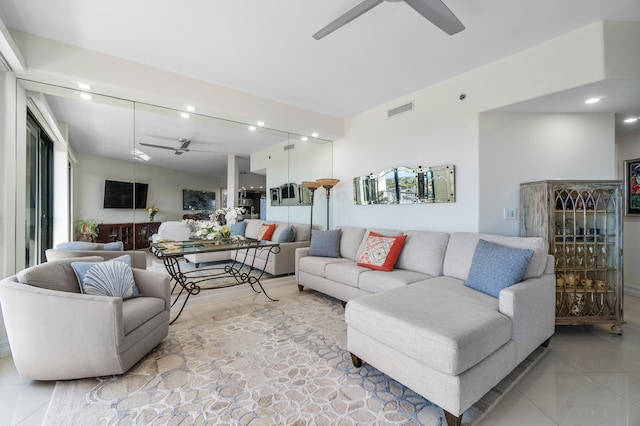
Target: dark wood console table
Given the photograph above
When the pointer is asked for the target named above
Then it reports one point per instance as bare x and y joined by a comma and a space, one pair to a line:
133, 235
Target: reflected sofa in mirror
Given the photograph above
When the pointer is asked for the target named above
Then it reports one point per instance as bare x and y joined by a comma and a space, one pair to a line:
404, 185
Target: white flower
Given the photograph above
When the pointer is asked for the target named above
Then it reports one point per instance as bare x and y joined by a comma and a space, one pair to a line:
231, 214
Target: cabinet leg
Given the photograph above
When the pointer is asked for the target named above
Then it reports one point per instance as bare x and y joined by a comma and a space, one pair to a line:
546, 343
300, 287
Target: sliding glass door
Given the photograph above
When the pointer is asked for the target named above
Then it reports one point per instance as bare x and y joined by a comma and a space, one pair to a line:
39, 197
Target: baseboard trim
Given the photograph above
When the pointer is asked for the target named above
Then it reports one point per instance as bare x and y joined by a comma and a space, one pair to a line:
632, 289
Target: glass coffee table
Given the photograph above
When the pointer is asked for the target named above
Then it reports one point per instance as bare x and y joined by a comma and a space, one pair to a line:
245, 266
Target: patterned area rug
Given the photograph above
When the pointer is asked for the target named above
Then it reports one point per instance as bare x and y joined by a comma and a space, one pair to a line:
276, 363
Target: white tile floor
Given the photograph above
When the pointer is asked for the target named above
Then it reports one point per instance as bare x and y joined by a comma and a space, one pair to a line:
588, 377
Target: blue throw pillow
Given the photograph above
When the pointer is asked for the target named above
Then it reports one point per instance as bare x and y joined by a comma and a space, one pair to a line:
115, 246
111, 278
238, 228
79, 245
325, 243
288, 235
495, 267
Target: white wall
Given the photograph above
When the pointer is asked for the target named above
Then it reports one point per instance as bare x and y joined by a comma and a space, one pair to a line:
165, 189
521, 147
443, 129
629, 149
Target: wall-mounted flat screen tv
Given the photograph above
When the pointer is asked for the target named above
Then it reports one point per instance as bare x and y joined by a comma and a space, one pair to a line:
121, 195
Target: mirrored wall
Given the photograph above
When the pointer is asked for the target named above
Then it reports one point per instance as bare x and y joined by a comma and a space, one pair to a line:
166, 156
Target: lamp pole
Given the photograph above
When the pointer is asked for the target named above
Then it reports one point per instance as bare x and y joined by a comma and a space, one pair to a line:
328, 183
312, 188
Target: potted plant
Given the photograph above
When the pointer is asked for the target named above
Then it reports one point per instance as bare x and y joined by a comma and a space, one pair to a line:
88, 229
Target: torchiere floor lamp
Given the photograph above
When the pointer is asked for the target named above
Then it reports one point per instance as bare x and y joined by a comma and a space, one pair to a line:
312, 187
328, 183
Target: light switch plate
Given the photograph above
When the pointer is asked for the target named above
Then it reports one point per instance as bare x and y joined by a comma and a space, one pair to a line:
510, 213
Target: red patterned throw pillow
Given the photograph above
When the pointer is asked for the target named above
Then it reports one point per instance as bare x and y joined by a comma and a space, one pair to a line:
381, 252
265, 231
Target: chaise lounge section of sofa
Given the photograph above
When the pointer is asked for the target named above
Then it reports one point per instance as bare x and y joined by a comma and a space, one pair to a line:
421, 325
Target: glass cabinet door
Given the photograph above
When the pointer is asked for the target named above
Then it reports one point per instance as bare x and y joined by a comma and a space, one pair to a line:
584, 228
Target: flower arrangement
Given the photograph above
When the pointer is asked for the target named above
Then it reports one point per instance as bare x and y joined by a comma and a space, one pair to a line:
152, 212
208, 229
218, 225
230, 215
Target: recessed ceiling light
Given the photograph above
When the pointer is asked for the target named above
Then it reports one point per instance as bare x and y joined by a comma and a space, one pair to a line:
594, 100
84, 86
85, 96
260, 123
304, 138
252, 128
631, 120
184, 115
190, 108
315, 134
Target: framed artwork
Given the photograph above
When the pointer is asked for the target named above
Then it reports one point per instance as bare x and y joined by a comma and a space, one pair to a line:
632, 187
198, 200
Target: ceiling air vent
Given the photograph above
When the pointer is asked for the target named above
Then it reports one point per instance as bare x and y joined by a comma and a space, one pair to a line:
400, 110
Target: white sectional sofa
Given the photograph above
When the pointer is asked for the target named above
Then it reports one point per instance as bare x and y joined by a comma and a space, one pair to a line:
279, 262
421, 325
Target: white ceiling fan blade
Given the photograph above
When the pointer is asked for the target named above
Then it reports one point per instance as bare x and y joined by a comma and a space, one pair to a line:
347, 17
438, 13
157, 146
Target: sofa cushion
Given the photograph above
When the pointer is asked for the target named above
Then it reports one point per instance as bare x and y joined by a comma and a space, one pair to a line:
318, 265
303, 232
384, 232
347, 273
238, 228
252, 227
350, 239
379, 281
325, 243
381, 252
495, 267
423, 252
265, 231
112, 278
453, 329
54, 275
284, 233
462, 245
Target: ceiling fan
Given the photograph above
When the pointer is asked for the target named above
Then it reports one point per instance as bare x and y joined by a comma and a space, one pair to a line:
184, 147
433, 10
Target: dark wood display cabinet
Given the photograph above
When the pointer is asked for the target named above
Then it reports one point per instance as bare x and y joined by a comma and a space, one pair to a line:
132, 235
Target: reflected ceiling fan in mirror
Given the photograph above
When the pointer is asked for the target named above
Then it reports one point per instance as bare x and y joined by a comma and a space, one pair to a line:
184, 147
433, 10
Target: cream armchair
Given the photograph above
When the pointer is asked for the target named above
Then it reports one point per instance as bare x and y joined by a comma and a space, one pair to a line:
56, 333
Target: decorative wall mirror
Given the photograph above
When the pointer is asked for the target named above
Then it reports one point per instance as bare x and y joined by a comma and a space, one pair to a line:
404, 185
